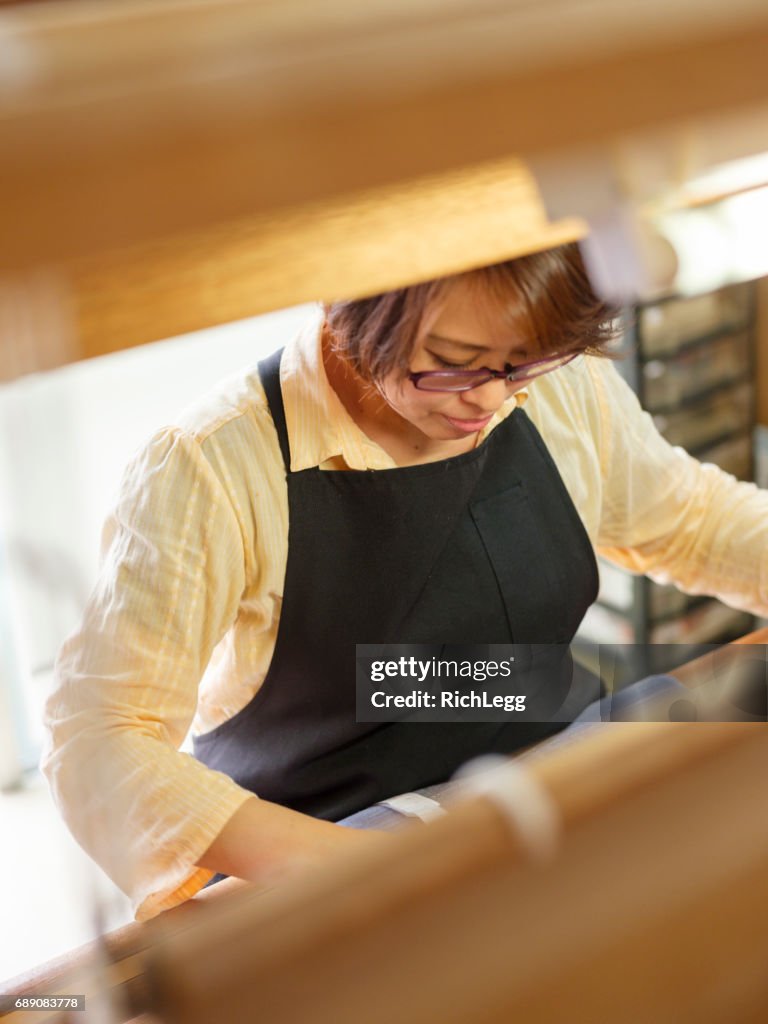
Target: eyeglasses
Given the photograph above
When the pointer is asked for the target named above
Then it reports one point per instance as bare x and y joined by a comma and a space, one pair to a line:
465, 380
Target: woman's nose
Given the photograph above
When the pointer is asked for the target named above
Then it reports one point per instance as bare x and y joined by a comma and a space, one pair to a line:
489, 396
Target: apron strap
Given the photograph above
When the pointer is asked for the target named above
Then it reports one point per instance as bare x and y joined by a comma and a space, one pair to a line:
269, 371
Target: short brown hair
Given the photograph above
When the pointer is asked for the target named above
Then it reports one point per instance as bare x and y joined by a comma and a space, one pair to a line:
555, 305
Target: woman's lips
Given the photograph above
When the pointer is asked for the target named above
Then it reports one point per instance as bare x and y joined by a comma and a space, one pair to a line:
469, 426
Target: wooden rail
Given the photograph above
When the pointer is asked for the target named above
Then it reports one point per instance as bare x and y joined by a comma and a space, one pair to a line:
694, 789
166, 166
128, 122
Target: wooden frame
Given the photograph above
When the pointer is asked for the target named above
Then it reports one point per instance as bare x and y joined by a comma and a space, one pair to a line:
179, 163
463, 921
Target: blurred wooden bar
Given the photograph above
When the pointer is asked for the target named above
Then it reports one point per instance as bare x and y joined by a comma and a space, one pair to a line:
125, 122
263, 264
651, 911
171, 165
692, 673
103, 304
662, 849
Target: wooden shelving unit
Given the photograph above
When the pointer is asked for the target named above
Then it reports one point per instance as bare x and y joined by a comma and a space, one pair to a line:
692, 363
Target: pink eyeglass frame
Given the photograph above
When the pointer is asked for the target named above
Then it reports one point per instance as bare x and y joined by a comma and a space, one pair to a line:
510, 373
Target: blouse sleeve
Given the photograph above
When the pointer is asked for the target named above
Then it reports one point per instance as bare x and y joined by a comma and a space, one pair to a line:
126, 681
666, 514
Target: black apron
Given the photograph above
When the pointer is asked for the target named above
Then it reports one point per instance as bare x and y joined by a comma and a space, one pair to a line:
483, 548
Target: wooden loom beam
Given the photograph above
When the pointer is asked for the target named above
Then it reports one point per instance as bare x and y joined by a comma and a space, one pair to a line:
167, 166
633, 779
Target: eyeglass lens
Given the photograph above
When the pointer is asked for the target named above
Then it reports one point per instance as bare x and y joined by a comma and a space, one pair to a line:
464, 380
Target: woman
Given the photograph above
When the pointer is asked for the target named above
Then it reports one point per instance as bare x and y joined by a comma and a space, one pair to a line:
432, 464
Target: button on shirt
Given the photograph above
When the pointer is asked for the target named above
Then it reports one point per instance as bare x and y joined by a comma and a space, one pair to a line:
181, 626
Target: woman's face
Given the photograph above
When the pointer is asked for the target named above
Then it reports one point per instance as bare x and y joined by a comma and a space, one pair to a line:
468, 332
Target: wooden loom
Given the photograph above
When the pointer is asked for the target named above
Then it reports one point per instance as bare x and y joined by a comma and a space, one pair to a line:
648, 906
168, 166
